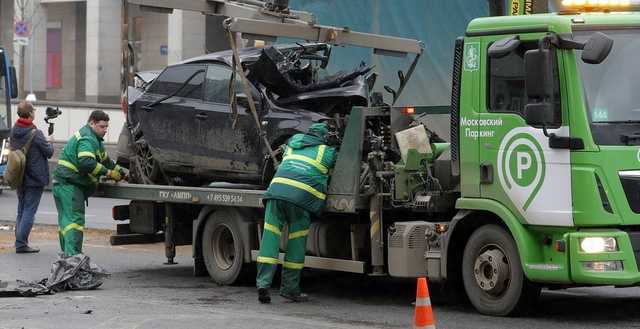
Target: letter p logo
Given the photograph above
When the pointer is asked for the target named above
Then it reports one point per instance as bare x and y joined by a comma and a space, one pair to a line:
521, 167
523, 163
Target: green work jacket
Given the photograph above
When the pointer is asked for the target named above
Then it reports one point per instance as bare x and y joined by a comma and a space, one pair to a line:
302, 176
83, 161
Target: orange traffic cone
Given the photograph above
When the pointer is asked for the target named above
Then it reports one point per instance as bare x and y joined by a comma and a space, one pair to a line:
424, 314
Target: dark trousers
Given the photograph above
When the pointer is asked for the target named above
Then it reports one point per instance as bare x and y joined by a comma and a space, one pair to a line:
28, 202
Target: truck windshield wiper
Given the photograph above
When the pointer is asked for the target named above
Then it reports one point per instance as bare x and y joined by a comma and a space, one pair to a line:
620, 121
184, 84
630, 139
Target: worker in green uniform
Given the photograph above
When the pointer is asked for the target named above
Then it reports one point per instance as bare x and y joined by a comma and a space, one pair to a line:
297, 191
82, 162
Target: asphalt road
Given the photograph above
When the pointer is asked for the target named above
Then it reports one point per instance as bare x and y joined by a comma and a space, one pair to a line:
144, 293
97, 213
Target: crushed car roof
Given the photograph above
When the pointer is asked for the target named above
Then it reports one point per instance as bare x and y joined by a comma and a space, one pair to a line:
247, 55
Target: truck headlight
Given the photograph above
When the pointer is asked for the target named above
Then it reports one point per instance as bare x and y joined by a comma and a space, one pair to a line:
593, 245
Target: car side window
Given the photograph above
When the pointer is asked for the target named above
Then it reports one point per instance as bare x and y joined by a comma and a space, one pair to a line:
217, 84
507, 83
173, 78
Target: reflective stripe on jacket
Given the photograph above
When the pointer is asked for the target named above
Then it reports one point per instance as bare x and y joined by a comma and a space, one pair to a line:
303, 175
83, 160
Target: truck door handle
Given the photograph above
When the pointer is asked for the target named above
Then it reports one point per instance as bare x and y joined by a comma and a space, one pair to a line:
201, 116
147, 108
486, 173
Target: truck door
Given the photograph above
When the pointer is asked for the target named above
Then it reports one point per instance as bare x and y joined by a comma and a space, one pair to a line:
517, 167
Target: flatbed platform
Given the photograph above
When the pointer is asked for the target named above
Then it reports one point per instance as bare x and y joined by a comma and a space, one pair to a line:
220, 196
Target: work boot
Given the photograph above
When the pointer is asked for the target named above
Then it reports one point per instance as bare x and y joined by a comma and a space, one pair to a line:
295, 297
263, 296
27, 250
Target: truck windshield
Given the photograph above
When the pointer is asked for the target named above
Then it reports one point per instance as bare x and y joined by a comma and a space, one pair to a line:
612, 88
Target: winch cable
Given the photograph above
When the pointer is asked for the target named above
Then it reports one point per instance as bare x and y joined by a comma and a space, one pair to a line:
247, 90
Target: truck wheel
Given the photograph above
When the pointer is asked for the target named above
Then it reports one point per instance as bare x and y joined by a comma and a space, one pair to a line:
222, 248
492, 275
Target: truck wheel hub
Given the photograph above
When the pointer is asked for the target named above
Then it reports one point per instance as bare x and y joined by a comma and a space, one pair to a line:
224, 251
491, 270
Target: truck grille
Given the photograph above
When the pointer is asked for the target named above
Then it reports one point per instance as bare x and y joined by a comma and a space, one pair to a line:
631, 186
635, 244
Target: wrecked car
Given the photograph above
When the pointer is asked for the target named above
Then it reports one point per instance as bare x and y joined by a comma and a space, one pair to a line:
182, 129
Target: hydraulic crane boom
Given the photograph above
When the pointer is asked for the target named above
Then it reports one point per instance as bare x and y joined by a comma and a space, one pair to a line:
252, 17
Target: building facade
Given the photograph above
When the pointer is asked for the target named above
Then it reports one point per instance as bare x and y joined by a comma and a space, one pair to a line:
73, 47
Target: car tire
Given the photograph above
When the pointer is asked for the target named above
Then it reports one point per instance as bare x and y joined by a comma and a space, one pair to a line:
145, 169
223, 249
492, 275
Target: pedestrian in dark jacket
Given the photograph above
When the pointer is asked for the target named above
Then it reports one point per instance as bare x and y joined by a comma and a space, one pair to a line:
36, 174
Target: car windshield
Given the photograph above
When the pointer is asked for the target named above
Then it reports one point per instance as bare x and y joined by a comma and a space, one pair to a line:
612, 87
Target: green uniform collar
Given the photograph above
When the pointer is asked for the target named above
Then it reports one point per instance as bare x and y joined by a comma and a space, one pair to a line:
89, 130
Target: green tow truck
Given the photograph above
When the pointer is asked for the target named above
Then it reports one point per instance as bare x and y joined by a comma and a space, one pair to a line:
531, 179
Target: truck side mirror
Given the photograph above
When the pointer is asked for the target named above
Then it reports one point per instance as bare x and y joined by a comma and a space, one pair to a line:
538, 75
539, 110
14, 83
597, 48
539, 114
503, 47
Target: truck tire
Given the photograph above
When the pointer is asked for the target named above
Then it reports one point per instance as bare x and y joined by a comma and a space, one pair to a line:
492, 275
222, 248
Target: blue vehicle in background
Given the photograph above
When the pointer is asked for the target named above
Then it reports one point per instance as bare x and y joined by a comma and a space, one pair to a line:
8, 90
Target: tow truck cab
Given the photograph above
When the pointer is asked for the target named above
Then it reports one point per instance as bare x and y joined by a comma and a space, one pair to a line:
549, 128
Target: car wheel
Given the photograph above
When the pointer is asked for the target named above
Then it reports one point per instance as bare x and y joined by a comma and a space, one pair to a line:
492, 275
146, 169
223, 250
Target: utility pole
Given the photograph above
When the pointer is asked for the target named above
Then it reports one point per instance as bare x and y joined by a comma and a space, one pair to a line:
26, 10
22, 12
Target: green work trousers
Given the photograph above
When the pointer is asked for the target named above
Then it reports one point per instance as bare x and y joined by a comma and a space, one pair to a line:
70, 202
278, 214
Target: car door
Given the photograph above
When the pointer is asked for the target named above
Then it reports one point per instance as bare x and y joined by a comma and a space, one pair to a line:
168, 125
228, 148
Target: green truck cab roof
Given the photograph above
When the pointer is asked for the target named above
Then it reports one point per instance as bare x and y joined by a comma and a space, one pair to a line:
550, 22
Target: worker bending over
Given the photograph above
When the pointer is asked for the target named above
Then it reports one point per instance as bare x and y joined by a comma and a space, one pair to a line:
297, 191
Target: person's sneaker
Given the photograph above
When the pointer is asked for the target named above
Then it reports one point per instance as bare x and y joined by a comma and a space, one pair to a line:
296, 297
27, 250
263, 296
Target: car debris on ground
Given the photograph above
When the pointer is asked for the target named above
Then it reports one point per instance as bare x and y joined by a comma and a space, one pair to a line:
67, 273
